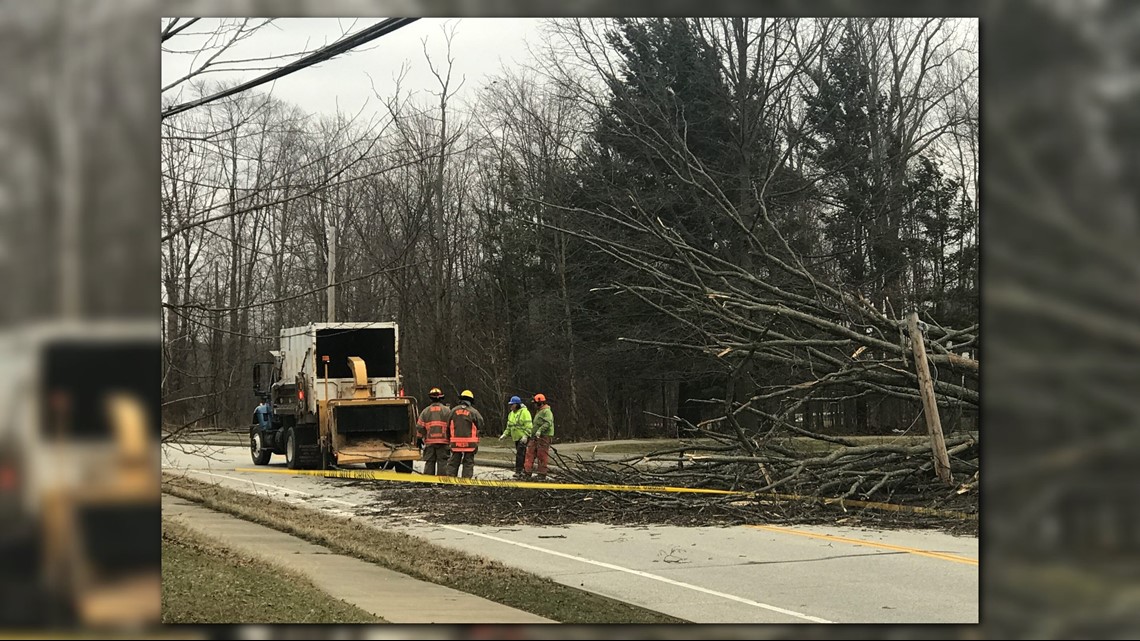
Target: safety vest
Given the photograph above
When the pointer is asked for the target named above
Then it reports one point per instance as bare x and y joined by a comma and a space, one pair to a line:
544, 422
432, 426
464, 428
518, 424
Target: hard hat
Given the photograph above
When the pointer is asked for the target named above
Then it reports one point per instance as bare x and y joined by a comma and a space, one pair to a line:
516, 400
435, 393
540, 398
467, 394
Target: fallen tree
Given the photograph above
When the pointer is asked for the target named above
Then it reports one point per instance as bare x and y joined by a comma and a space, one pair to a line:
774, 218
898, 469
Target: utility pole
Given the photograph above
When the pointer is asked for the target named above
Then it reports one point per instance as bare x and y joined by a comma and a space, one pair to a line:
330, 234
929, 403
332, 272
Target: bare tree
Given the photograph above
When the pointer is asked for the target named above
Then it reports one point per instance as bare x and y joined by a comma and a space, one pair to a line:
744, 292
535, 131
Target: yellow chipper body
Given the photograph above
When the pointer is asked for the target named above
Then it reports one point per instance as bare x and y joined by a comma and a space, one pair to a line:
86, 552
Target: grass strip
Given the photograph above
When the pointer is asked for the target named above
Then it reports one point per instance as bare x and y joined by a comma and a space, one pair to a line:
203, 581
418, 558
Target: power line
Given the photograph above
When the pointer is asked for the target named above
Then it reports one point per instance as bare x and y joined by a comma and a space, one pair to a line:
321, 55
172, 30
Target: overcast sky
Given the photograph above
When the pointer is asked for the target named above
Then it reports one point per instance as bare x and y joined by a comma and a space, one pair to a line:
480, 47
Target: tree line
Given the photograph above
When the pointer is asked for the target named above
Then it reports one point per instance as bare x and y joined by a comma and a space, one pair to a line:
665, 225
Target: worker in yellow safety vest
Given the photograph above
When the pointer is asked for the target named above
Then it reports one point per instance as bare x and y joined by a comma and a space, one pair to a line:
542, 433
518, 428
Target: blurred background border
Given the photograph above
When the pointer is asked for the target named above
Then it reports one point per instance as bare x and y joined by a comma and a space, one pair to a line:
79, 228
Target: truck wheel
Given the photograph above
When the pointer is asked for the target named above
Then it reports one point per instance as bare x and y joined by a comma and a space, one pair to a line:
302, 451
291, 449
373, 465
257, 450
401, 467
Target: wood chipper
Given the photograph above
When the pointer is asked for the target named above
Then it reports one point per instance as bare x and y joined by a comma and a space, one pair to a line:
333, 398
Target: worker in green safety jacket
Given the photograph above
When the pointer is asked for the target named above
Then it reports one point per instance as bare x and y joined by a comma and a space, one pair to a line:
518, 428
538, 446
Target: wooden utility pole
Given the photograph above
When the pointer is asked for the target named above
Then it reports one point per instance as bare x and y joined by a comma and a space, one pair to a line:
330, 234
332, 274
929, 404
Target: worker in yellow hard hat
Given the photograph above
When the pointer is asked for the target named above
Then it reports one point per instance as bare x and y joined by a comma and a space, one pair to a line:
463, 430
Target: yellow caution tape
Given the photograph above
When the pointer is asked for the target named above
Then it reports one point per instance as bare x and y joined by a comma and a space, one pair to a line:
382, 475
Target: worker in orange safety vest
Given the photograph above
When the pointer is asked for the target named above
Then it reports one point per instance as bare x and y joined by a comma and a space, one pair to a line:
431, 430
463, 430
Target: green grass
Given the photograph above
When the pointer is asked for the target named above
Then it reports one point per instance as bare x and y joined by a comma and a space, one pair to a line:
205, 582
640, 446
405, 553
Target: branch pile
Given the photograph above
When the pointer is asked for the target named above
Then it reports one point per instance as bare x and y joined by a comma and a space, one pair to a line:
898, 469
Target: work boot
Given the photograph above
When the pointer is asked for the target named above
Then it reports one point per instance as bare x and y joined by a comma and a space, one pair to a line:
540, 477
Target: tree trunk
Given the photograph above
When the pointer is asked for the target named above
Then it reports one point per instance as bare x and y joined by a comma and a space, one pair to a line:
441, 346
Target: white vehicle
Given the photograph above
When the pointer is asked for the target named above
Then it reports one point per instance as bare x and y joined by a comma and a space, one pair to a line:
80, 471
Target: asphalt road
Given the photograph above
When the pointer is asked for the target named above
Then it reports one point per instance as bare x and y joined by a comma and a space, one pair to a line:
739, 574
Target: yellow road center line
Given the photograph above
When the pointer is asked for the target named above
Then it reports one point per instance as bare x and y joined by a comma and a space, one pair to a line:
874, 505
882, 546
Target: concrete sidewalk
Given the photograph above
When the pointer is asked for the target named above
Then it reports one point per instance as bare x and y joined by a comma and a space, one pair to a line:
395, 597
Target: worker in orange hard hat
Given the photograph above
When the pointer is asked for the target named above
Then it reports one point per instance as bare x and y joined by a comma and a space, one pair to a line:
538, 446
432, 431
